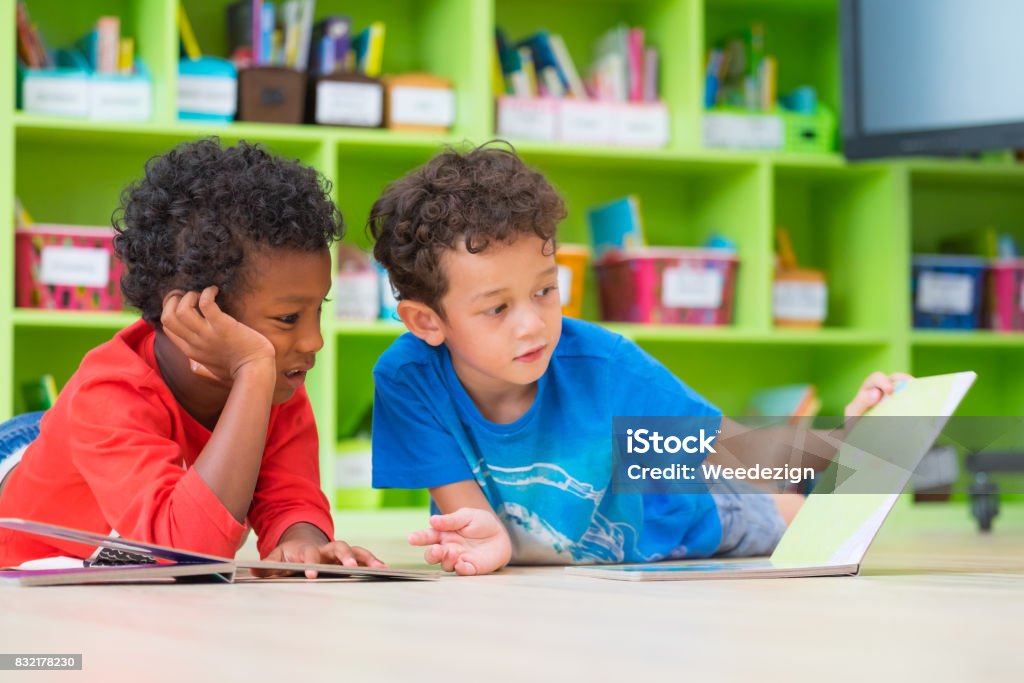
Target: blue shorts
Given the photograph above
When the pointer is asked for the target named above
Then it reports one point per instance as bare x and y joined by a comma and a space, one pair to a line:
751, 523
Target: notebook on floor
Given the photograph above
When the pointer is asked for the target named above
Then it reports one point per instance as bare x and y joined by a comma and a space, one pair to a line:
120, 560
832, 531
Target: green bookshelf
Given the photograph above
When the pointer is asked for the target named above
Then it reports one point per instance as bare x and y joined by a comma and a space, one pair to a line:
860, 223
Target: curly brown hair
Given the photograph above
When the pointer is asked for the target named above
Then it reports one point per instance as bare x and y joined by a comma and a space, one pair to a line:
478, 197
200, 209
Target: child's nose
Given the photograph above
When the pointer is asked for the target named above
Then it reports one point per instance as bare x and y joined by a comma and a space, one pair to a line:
529, 323
312, 340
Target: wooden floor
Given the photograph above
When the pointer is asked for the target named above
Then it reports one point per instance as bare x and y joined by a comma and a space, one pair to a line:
937, 601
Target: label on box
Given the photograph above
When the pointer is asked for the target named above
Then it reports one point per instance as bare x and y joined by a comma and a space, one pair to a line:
349, 104
743, 132
800, 300
564, 284
526, 119
56, 96
640, 125
353, 470
945, 293
74, 266
422, 106
120, 100
357, 295
685, 287
216, 95
583, 121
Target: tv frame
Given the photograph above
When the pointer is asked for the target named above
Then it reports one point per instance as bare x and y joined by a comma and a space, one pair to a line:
858, 144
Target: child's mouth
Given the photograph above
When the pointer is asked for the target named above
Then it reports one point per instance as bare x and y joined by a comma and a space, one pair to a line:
532, 355
295, 377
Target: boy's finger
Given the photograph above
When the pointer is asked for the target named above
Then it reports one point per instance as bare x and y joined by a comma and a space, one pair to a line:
177, 340
424, 537
433, 554
451, 556
453, 521
343, 551
310, 555
366, 558
465, 568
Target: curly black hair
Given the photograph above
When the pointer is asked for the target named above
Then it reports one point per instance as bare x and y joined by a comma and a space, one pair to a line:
478, 197
200, 208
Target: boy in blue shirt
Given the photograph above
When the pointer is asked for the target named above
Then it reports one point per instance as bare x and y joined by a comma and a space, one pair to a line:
503, 409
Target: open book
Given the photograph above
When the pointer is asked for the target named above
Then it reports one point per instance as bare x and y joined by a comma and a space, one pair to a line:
831, 533
119, 560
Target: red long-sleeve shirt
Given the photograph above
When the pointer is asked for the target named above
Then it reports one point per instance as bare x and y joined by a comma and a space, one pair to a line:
116, 452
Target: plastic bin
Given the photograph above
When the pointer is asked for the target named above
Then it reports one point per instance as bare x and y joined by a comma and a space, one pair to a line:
572, 262
1006, 286
68, 268
948, 291
668, 285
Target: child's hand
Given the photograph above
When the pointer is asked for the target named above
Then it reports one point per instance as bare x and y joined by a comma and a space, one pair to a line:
875, 388
468, 541
333, 552
217, 345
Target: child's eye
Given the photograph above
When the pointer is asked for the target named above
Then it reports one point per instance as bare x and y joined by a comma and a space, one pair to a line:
545, 291
289, 319
497, 310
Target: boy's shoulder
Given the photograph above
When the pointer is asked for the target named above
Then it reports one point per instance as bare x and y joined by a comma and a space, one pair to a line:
408, 351
585, 340
124, 358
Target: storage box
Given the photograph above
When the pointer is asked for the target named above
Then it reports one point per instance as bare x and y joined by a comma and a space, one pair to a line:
583, 122
68, 268
778, 130
799, 298
73, 90
356, 286
346, 99
668, 285
1006, 288
418, 103
521, 118
207, 90
814, 133
572, 262
271, 94
947, 291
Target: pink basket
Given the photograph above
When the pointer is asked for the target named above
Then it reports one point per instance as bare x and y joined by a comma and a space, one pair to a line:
668, 285
67, 268
1006, 288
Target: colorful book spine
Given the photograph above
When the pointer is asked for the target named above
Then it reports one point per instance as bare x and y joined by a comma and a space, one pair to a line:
108, 44
635, 56
189, 44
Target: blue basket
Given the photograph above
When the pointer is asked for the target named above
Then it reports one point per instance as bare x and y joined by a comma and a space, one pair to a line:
948, 291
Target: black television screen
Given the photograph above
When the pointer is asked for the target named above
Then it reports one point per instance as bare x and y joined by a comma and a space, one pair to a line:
932, 77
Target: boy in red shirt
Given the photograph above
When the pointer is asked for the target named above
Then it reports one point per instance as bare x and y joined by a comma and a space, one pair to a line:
193, 423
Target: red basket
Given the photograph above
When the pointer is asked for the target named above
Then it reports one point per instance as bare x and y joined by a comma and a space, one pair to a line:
668, 285
67, 267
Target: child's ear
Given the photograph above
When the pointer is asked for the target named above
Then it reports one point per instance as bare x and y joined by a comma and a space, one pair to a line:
422, 320
168, 295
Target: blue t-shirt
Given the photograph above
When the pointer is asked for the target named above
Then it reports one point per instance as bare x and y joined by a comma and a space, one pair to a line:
548, 474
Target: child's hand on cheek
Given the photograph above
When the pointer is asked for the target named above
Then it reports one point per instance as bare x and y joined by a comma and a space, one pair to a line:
877, 386
468, 541
217, 345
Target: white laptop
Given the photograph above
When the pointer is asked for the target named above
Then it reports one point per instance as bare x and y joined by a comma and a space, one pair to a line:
832, 531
